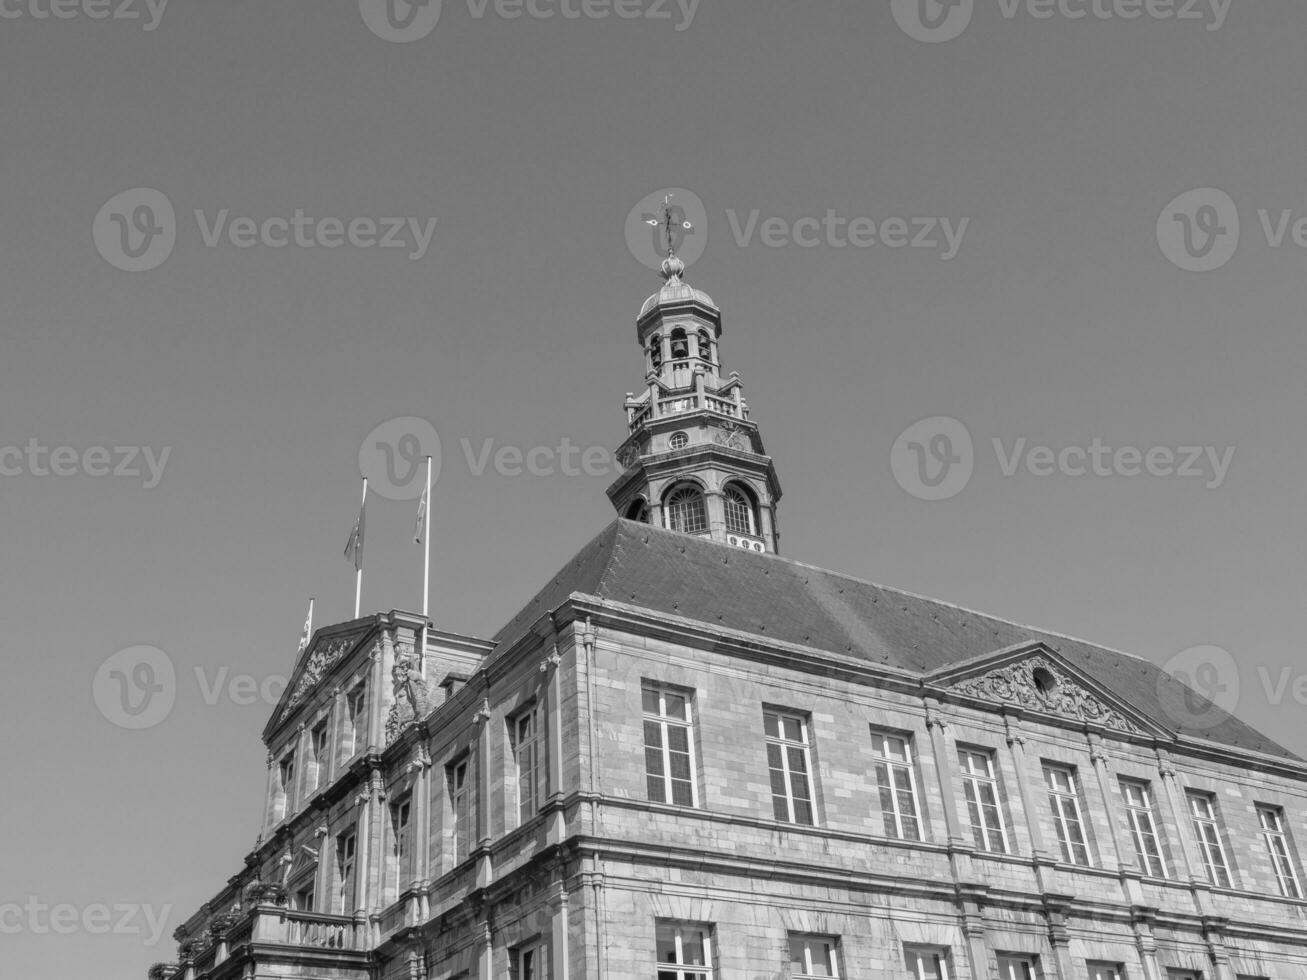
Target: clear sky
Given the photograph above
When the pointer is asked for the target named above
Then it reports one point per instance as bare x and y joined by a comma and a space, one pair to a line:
261, 370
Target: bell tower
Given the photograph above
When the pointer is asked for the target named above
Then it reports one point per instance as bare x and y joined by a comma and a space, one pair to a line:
693, 460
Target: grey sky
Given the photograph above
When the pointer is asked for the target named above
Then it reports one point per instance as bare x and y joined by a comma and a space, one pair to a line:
1059, 320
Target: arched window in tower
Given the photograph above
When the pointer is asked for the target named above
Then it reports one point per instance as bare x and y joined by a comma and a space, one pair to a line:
680, 344
655, 352
741, 515
686, 511
638, 511
705, 347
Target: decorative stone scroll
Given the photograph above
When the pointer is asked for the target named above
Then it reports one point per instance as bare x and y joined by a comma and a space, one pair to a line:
320, 661
1038, 685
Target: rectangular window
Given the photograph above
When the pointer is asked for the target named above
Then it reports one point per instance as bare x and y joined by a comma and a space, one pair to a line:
401, 842
813, 956
346, 845
1101, 970
1271, 821
286, 773
787, 758
1207, 835
1064, 799
530, 963
356, 715
926, 963
303, 898
1016, 968
897, 783
321, 746
980, 787
457, 776
1138, 797
684, 951
527, 744
668, 745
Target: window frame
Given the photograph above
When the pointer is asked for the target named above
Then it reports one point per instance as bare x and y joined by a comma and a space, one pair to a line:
664, 723
1064, 799
538, 951
347, 868
691, 498
679, 969
972, 784
734, 495
1286, 876
533, 716
1028, 962
889, 765
1105, 970
1137, 813
806, 941
458, 775
401, 840
1211, 821
784, 747
914, 956
356, 719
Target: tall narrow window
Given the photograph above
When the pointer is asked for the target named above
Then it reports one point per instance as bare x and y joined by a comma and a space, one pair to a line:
527, 754
286, 775
530, 963
897, 783
1016, 968
705, 346
303, 898
739, 511
686, 511
1271, 821
459, 806
980, 787
787, 759
320, 742
346, 845
401, 843
668, 745
1101, 970
813, 956
1138, 797
926, 963
684, 951
1207, 835
680, 344
356, 721
1064, 798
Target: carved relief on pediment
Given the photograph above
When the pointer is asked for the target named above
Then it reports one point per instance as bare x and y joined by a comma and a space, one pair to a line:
320, 661
1037, 684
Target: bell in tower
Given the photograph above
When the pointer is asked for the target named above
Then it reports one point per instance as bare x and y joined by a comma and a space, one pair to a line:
694, 461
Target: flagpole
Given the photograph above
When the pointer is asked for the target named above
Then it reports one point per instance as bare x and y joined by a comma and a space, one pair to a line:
426, 546
358, 574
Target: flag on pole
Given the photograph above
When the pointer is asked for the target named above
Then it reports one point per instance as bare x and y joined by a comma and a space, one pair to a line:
308, 631
354, 549
421, 528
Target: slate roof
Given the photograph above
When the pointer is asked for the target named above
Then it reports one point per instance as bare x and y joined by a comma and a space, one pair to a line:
781, 599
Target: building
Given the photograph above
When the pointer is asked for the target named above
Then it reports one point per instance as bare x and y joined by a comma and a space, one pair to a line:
688, 758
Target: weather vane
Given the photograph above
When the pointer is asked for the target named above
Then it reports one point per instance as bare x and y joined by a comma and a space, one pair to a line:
669, 223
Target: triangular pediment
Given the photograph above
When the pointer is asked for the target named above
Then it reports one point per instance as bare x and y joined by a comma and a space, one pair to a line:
1035, 678
325, 651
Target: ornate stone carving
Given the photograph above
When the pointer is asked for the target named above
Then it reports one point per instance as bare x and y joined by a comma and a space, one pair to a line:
412, 700
321, 660
734, 436
264, 893
1038, 685
161, 971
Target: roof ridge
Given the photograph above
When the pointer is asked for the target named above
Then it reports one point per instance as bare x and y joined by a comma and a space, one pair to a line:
845, 576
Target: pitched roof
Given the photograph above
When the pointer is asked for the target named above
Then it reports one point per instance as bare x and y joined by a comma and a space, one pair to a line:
781, 599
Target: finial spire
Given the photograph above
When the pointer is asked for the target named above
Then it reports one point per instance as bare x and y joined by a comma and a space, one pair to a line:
672, 220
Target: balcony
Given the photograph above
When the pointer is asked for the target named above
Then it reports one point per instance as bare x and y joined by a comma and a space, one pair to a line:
268, 933
639, 415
